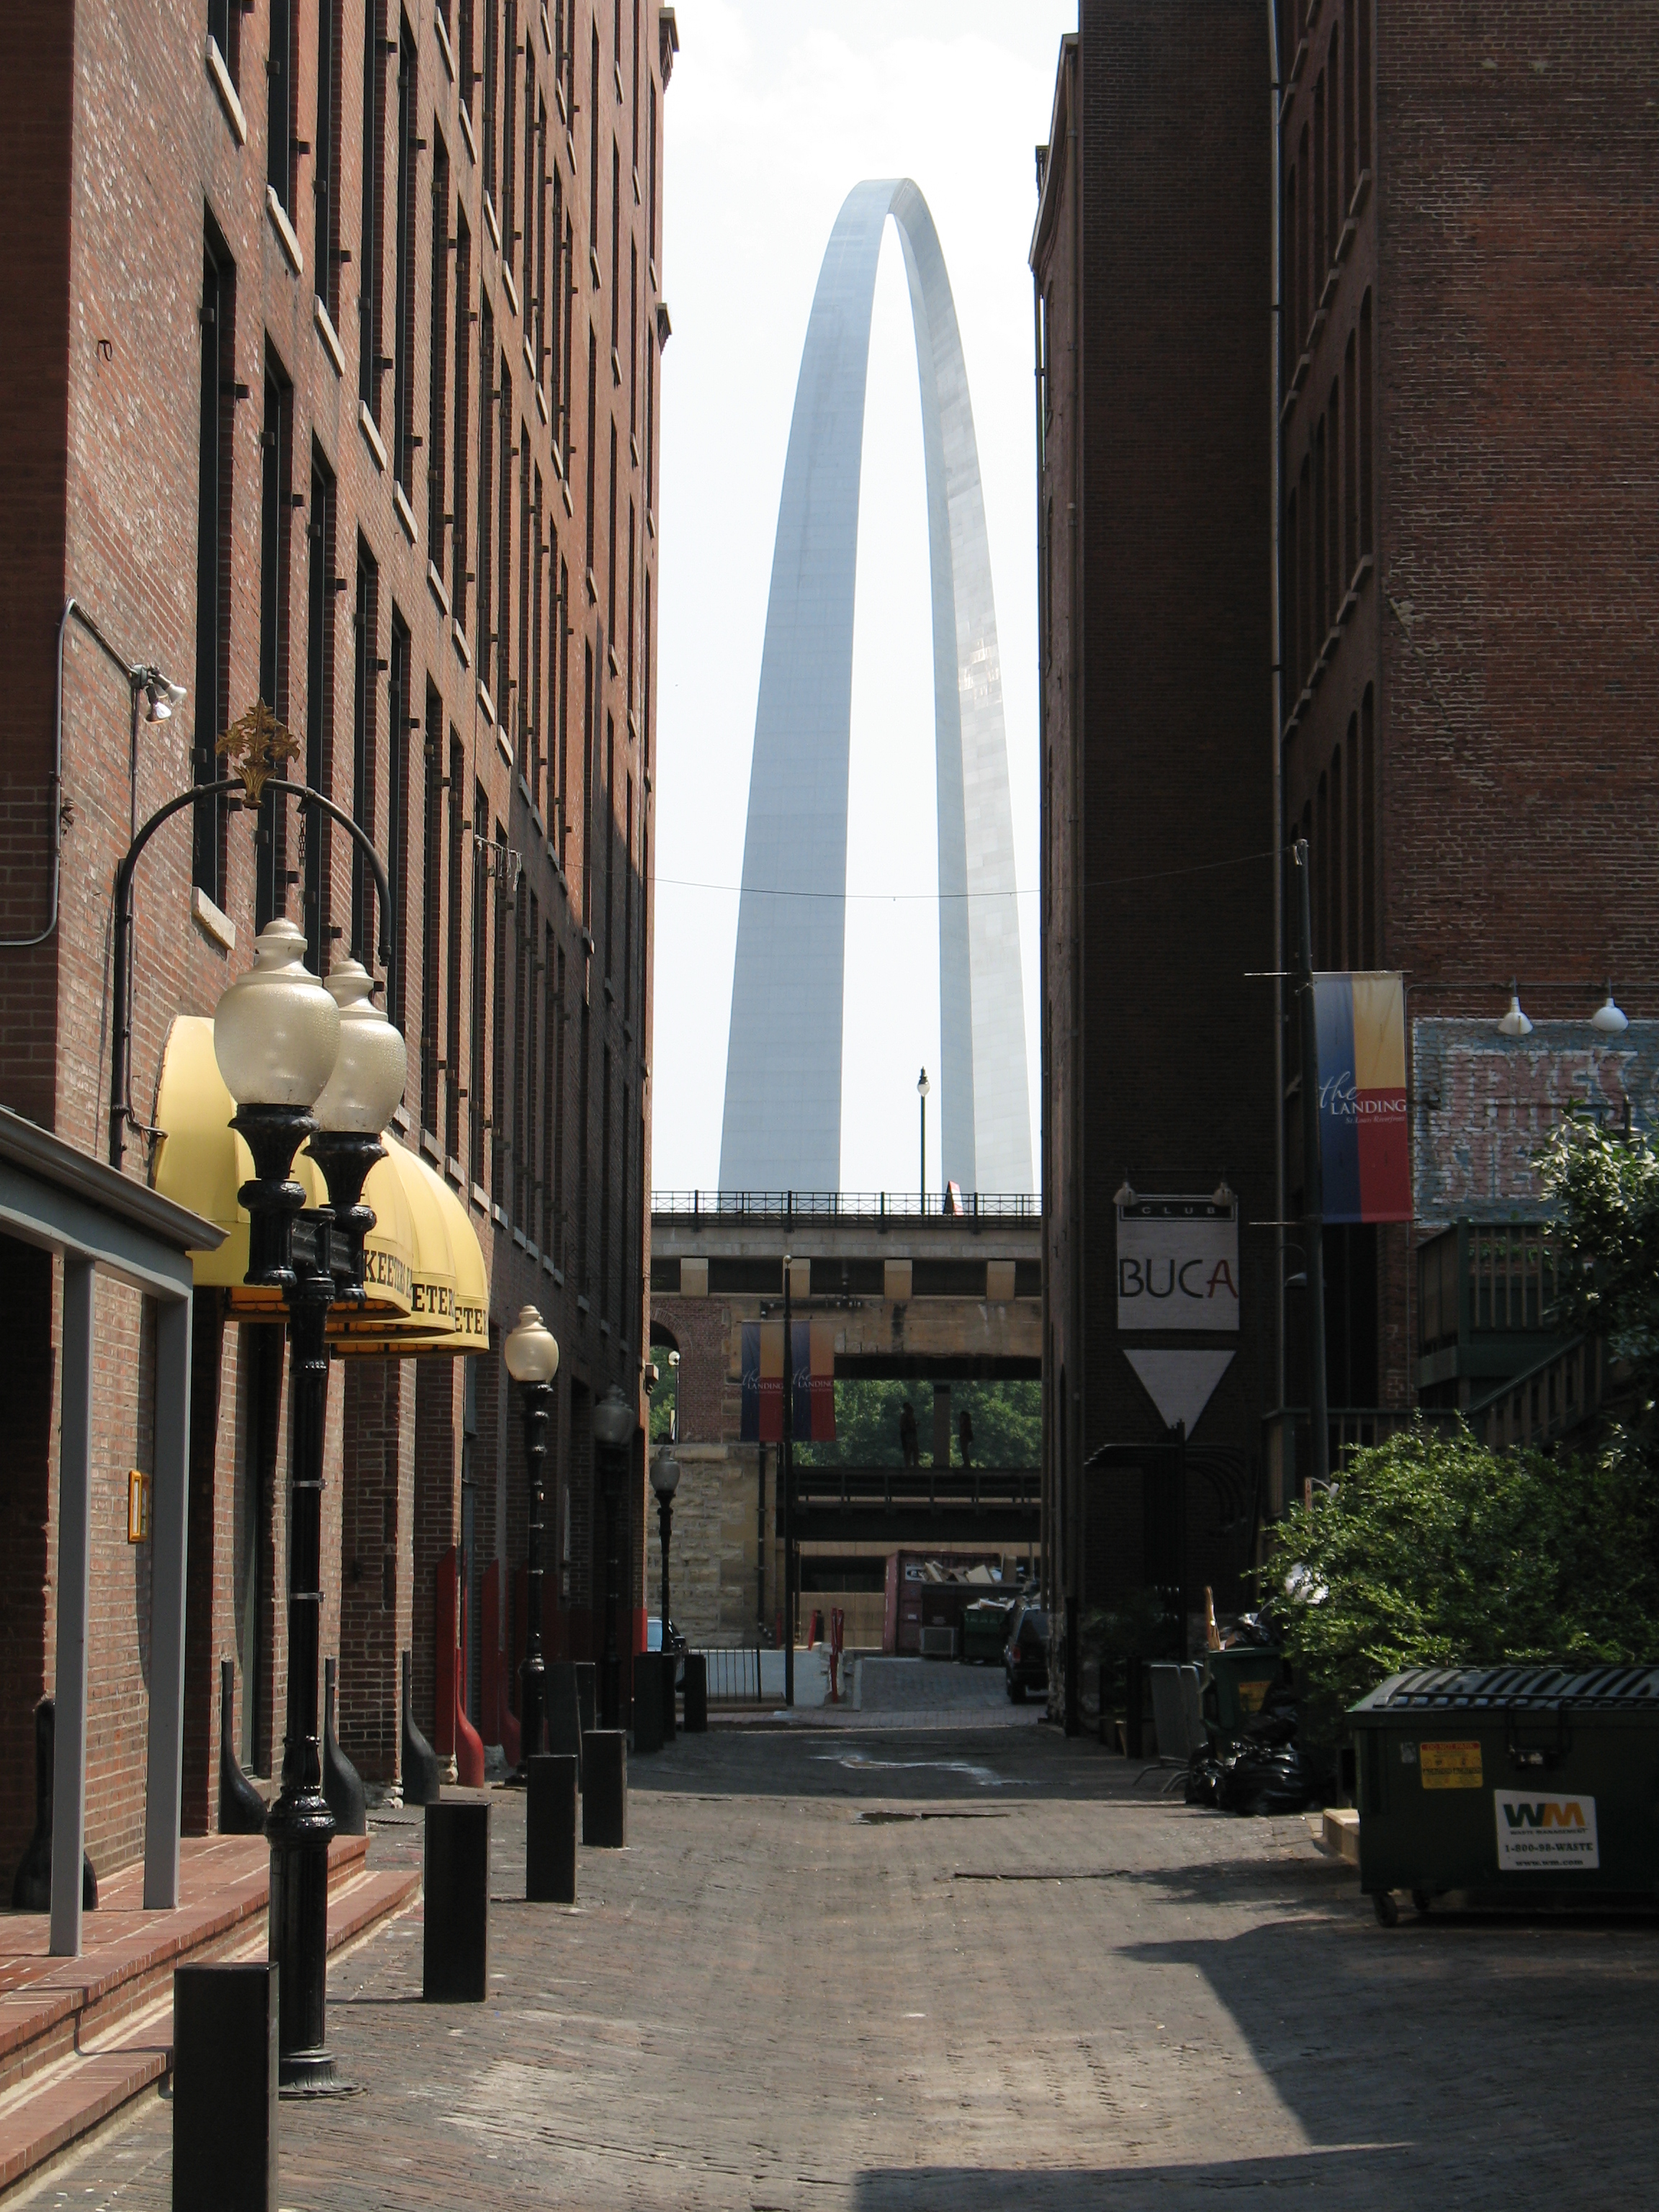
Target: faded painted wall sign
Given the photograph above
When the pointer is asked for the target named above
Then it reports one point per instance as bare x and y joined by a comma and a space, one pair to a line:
1177, 1262
1483, 1106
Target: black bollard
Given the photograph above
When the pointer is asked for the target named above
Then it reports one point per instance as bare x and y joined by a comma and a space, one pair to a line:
31, 1886
455, 1954
605, 1800
647, 1703
696, 1693
242, 1808
342, 1786
224, 2088
423, 1770
564, 1713
671, 1668
549, 1839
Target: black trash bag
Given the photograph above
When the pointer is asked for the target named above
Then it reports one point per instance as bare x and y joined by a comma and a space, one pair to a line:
1251, 1628
1278, 1718
1268, 1779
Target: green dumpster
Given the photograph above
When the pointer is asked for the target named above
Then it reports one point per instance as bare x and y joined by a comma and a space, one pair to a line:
1509, 1784
985, 1628
1235, 1683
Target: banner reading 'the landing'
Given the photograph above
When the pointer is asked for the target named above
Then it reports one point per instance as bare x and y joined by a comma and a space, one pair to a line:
1364, 1128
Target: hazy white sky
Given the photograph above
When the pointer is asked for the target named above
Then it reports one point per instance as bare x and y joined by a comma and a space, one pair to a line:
776, 110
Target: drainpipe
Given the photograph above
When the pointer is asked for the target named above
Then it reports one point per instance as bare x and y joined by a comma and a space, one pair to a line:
1076, 1547
1275, 320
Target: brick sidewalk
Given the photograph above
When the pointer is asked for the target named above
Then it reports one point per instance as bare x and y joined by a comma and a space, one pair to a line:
960, 1971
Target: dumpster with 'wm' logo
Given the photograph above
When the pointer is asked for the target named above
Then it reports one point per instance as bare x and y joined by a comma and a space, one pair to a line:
1510, 1783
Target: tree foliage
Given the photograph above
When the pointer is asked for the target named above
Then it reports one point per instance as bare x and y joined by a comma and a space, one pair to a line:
1007, 1417
1604, 1188
1433, 1550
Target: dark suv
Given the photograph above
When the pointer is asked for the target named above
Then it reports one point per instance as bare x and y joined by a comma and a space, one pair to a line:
1025, 1657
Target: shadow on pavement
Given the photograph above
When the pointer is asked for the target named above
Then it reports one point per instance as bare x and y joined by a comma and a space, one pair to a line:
959, 1761
1356, 2178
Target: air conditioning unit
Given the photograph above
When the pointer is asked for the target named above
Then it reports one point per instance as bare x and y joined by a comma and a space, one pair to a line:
938, 1643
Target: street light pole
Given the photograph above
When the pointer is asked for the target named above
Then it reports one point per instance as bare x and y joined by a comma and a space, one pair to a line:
664, 1480
613, 1428
302, 1060
785, 1492
1313, 1187
923, 1087
532, 1360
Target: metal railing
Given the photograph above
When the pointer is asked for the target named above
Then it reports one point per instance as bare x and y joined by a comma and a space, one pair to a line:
734, 1674
1561, 1393
895, 1487
852, 1205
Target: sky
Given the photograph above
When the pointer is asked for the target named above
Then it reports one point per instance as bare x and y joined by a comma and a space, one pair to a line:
776, 109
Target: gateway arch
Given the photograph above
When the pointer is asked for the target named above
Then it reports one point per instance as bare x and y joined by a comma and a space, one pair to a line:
783, 1070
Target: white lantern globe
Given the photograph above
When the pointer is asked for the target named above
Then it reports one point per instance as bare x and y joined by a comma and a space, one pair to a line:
277, 1031
531, 1350
372, 1066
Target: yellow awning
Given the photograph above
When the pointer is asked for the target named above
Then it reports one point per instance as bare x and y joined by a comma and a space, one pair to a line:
426, 1287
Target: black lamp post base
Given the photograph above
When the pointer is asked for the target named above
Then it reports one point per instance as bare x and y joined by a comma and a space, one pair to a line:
311, 2074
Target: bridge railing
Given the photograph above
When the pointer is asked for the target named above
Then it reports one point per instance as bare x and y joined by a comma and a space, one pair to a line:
896, 1488
856, 1205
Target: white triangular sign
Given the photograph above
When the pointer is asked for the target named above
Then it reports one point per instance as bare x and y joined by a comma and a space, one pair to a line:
1180, 1384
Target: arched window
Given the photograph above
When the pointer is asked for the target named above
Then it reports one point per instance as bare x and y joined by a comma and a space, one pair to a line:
1367, 430
1350, 467
1368, 827
1351, 871
1321, 236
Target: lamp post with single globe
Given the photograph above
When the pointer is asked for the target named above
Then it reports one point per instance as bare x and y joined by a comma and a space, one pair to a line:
305, 1060
665, 1481
531, 1354
923, 1086
614, 1423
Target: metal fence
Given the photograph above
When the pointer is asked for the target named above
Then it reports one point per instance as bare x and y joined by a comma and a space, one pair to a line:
734, 1674
858, 1204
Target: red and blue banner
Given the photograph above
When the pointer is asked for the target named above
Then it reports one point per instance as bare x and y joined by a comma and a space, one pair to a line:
813, 1406
1364, 1148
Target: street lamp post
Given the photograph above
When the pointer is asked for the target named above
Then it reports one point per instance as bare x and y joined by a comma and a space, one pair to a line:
302, 1060
613, 1429
531, 1354
923, 1086
664, 1480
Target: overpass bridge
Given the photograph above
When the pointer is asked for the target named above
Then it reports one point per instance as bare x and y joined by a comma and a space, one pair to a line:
924, 1287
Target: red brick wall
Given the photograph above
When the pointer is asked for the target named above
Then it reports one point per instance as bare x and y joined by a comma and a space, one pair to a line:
122, 142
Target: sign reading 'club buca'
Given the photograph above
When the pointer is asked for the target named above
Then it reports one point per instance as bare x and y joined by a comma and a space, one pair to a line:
1177, 1262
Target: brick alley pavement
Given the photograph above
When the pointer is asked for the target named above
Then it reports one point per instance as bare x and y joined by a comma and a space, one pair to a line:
957, 1971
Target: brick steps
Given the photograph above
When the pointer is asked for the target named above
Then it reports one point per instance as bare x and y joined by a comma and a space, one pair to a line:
80, 2037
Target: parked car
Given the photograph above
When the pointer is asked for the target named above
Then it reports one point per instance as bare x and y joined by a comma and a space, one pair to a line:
1025, 1656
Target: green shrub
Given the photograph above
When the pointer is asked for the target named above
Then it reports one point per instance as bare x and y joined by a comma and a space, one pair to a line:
1430, 1551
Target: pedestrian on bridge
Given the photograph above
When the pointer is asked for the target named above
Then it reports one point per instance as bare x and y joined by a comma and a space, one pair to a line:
908, 1444
965, 1435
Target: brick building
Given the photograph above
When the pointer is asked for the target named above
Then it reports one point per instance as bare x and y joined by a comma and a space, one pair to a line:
1346, 467
333, 381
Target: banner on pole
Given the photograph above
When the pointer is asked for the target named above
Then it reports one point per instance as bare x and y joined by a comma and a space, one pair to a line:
814, 1381
1365, 1146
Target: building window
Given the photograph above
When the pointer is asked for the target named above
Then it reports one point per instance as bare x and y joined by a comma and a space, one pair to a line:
459, 577
485, 574
509, 199
1363, 83
276, 544
466, 49
1351, 871
584, 1148
501, 1134
628, 912
504, 551
651, 188
650, 421
1291, 651
551, 1067
365, 746
616, 251
325, 159
431, 912
519, 1141
1339, 206
1349, 466
492, 36
437, 398
529, 528
281, 94
1367, 429
224, 23
1322, 241
554, 320
592, 434
594, 142
561, 662
1369, 949
455, 876
321, 582
540, 342
1292, 275
213, 556
404, 438
608, 839
587, 784
371, 243
478, 1012
537, 725
553, 1234
644, 680
399, 723
605, 1190
611, 549
1330, 924
631, 554
634, 341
